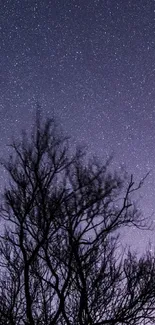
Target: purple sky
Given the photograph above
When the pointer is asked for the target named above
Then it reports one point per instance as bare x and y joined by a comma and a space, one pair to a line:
90, 63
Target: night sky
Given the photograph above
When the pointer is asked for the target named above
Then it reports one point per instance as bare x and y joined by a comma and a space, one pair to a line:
91, 64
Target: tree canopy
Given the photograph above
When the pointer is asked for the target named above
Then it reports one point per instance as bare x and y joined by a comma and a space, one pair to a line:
61, 215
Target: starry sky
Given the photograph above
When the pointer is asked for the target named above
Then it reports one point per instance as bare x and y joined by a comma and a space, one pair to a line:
91, 64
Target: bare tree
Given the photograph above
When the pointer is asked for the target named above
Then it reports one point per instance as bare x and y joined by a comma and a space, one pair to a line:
61, 215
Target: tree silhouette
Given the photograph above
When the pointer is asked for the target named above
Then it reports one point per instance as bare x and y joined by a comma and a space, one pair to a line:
61, 214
